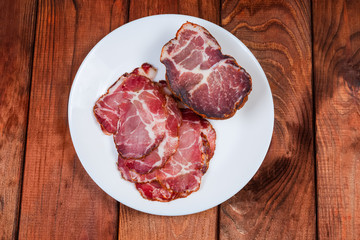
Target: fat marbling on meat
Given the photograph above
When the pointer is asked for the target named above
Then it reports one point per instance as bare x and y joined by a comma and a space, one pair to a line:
181, 175
208, 82
133, 110
183, 171
166, 148
163, 150
106, 109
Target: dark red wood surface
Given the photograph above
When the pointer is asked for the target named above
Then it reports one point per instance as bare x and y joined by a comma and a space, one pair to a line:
336, 42
59, 199
16, 56
280, 199
308, 186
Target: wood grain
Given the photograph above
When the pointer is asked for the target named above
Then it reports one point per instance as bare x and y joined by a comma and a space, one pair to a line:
208, 10
59, 200
279, 202
16, 44
148, 227
196, 226
336, 32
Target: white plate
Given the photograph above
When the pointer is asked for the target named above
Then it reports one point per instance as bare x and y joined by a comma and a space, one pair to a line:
242, 141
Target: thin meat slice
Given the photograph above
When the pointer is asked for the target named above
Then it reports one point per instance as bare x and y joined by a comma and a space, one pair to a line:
133, 109
106, 108
166, 148
124, 171
208, 82
183, 171
142, 117
133, 176
155, 192
208, 136
142, 170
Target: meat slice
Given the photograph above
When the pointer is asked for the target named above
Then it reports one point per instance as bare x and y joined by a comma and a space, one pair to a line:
155, 192
166, 148
133, 109
140, 170
106, 108
183, 171
208, 136
142, 117
208, 82
133, 176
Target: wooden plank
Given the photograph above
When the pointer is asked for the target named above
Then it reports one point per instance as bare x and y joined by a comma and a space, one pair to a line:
59, 199
148, 227
196, 226
279, 202
208, 10
16, 51
336, 32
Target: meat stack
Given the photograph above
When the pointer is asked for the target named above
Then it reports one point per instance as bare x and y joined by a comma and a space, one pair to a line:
165, 150
161, 148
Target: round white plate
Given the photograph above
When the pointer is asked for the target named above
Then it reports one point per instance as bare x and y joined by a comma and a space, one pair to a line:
242, 141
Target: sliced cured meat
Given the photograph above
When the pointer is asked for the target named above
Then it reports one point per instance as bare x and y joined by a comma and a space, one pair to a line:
208, 136
155, 192
181, 174
133, 176
142, 117
166, 148
164, 155
140, 170
210, 83
106, 108
183, 171
133, 109
124, 171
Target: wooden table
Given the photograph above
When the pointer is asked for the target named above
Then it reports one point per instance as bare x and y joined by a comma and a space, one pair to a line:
309, 183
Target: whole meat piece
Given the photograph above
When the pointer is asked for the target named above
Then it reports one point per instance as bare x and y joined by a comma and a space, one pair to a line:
210, 83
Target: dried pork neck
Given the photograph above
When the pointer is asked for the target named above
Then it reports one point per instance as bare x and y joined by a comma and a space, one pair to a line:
106, 108
133, 109
166, 148
182, 173
208, 82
